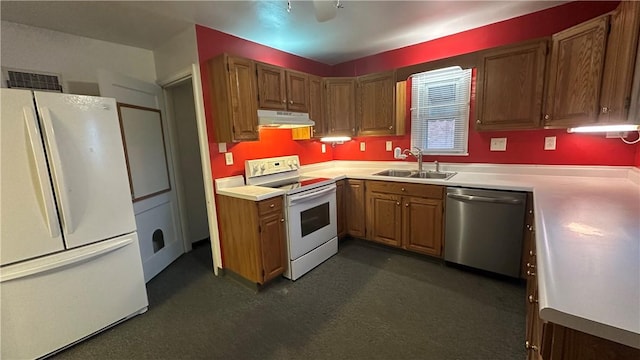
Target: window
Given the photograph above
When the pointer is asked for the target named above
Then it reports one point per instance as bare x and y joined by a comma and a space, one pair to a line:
440, 111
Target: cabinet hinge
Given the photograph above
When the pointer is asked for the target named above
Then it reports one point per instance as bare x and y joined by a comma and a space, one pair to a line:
228, 68
259, 228
608, 28
233, 129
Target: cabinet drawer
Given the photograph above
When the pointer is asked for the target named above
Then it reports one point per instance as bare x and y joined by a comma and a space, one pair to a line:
418, 190
270, 205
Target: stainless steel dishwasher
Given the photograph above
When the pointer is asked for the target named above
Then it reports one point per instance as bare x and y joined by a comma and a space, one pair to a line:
484, 229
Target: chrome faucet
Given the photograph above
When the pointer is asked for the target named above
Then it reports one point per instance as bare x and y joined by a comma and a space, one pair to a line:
437, 166
416, 153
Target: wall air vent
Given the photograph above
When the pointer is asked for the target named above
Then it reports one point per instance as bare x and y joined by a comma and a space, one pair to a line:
33, 81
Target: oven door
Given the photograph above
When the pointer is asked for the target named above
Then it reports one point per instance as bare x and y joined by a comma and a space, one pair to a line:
311, 217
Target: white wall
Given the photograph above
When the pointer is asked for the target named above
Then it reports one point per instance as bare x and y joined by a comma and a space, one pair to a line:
176, 54
75, 58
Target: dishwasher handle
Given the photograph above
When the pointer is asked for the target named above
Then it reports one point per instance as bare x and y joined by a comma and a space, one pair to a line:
494, 200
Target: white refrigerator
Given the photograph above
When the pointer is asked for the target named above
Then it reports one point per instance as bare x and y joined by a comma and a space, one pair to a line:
70, 262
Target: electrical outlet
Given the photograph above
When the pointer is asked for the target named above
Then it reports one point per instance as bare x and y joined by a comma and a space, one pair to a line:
363, 146
222, 148
550, 143
388, 146
228, 158
498, 144
324, 148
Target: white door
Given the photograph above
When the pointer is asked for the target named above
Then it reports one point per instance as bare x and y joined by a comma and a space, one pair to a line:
88, 168
27, 211
157, 217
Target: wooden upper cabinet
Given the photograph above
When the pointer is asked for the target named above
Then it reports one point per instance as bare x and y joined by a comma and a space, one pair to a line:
619, 63
376, 104
575, 74
233, 98
316, 105
340, 99
297, 91
511, 86
281, 89
271, 86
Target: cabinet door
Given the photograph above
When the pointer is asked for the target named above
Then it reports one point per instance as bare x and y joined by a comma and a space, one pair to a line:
316, 108
355, 204
575, 74
384, 218
340, 209
340, 106
510, 87
376, 104
615, 97
272, 243
422, 224
243, 99
271, 87
297, 91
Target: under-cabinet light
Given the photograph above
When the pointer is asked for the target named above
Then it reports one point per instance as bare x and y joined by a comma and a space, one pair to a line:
335, 139
604, 128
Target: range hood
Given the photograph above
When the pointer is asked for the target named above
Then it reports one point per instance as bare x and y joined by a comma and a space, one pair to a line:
283, 119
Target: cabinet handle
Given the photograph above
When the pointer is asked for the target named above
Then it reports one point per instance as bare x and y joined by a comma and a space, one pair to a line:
398, 203
531, 266
547, 117
402, 189
530, 211
406, 205
272, 205
531, 273
281, 220
605, 109
478, 121
532, 300
284, 101
531, 253
391, 127
291, 102
529, 346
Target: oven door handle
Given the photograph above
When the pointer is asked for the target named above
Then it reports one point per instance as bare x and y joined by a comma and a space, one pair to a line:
296, 198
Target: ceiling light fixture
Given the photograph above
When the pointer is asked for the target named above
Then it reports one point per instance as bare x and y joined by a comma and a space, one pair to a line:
335, 139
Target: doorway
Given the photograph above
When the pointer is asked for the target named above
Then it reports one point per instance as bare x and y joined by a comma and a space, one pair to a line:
189, 174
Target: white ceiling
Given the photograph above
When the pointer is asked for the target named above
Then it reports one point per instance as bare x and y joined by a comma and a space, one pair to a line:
361, 28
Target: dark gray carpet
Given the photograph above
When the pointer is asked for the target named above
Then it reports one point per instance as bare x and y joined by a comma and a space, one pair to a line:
367, 302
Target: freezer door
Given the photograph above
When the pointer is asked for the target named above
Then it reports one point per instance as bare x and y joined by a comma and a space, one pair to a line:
89, 172
28, 216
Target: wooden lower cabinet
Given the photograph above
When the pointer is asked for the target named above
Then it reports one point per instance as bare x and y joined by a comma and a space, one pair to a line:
408, 216
253, 243
355, 207
340, 208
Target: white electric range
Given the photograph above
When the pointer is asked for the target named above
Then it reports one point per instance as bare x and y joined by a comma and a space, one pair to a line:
310, 211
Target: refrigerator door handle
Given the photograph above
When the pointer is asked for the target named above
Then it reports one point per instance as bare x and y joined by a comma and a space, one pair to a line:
80, 255
58, 172
41, 169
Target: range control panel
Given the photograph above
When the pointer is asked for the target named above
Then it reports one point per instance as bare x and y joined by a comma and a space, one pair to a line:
270, 166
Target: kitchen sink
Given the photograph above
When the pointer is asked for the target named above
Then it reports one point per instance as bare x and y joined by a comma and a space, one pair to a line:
395, 172
416, 174
432, 175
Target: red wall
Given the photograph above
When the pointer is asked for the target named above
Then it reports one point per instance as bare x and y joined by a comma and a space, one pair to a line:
523, 147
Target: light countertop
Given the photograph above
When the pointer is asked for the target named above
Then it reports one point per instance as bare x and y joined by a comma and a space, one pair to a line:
250, 192
587, 236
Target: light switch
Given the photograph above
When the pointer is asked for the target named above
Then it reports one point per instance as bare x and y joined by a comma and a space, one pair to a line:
324, 148
550, 143
498, 144
362, 146
388, 146
222, 148
228, 158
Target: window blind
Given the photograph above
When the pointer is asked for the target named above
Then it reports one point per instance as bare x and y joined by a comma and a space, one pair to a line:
440, 111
